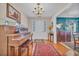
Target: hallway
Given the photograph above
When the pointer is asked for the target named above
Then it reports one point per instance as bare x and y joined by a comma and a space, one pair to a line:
39, 29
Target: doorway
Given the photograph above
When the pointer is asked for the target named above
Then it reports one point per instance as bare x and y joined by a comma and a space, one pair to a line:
39, 29
66, 26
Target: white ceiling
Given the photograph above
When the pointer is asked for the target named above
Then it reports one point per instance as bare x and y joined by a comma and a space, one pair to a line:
50, 9
72, 11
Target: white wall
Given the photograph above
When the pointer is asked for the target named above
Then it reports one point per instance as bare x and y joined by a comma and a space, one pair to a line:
2, 10
24, 20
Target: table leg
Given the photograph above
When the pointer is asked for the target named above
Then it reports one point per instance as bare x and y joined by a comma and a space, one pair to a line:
17, 51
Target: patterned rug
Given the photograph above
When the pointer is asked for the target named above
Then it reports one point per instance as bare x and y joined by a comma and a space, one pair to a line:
44, 49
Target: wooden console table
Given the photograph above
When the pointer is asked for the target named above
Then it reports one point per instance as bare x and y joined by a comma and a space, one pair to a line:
49, 37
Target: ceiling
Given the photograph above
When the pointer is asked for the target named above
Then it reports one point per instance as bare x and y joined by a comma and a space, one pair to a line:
50, 9
72, 11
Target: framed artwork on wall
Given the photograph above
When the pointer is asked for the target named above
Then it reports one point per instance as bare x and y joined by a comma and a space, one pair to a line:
13, 13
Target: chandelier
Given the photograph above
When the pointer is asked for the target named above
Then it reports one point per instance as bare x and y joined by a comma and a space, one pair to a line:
38, 9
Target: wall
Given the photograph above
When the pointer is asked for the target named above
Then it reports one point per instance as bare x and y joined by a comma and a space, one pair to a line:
24, 20
2, 10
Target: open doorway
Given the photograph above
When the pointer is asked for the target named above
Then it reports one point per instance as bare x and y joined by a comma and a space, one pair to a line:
66, 26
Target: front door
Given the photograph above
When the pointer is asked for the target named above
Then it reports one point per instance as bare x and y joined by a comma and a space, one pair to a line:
39, 28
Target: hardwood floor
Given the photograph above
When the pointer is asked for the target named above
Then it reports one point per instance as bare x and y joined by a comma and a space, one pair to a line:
60, 47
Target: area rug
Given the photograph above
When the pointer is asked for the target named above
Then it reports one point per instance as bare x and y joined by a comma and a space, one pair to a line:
43, 49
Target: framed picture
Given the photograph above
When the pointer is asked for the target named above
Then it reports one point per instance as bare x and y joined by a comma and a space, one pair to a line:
13, 13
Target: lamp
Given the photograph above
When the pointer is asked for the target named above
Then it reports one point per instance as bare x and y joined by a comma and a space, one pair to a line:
38, 10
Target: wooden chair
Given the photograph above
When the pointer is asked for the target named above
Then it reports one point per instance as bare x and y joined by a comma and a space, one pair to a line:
76, 40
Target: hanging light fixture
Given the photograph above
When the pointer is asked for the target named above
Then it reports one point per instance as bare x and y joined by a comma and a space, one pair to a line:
38, 9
